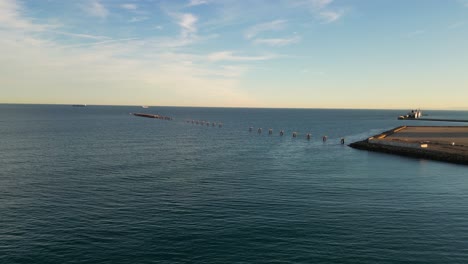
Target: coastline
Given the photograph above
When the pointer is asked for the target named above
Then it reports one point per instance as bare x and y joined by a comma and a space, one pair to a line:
441, 143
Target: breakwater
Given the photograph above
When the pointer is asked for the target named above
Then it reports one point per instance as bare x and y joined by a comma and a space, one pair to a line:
449, 144
204, 122
437, 119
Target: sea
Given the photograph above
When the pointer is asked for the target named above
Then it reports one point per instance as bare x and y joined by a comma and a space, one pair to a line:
96, 184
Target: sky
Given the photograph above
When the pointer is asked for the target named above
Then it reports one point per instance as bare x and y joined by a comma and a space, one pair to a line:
374, 54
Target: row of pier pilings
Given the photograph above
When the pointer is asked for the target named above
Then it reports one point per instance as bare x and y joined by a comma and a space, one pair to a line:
205, 123
294, 134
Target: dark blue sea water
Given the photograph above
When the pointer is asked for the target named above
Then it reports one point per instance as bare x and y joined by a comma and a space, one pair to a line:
97, 185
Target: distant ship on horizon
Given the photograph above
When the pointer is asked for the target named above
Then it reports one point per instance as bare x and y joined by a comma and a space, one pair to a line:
414, 114
79, 105
144, 106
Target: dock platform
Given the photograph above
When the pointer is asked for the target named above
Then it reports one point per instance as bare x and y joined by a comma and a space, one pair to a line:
443, 143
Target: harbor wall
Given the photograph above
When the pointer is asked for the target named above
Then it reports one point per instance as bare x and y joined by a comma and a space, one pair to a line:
395, 143
378, 143
421, 153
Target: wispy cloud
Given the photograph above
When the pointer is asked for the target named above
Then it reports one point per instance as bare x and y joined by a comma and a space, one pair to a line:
276, 42
312, 4
269, 26
319, 4
276, 25
329, 16
415, 33
321, 9
78, 35
96, 8
197, 2
105, 64
187, 23
138, 19
309, 71
231, 56
129, 6
457, 24
464, 2
11, 17
99, 43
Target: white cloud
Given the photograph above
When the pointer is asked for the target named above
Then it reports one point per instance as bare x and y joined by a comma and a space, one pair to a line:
129, 6
270, 26
187, 22
188, 31
276, 42
230, 56
95, 8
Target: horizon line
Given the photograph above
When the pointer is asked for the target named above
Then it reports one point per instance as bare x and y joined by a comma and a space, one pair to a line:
247, 107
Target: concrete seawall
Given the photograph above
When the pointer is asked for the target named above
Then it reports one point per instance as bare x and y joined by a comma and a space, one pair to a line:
437, 119
449, 144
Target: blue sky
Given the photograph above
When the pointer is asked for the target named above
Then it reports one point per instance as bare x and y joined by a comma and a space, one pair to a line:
249, 53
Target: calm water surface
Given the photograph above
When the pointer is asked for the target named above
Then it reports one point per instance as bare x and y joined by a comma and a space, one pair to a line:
97, 185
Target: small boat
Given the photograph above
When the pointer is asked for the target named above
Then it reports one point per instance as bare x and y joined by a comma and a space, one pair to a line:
144, 106
79, 105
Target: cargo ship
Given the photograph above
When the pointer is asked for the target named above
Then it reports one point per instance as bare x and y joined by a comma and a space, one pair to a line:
146, 115
414, 114
152, 116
